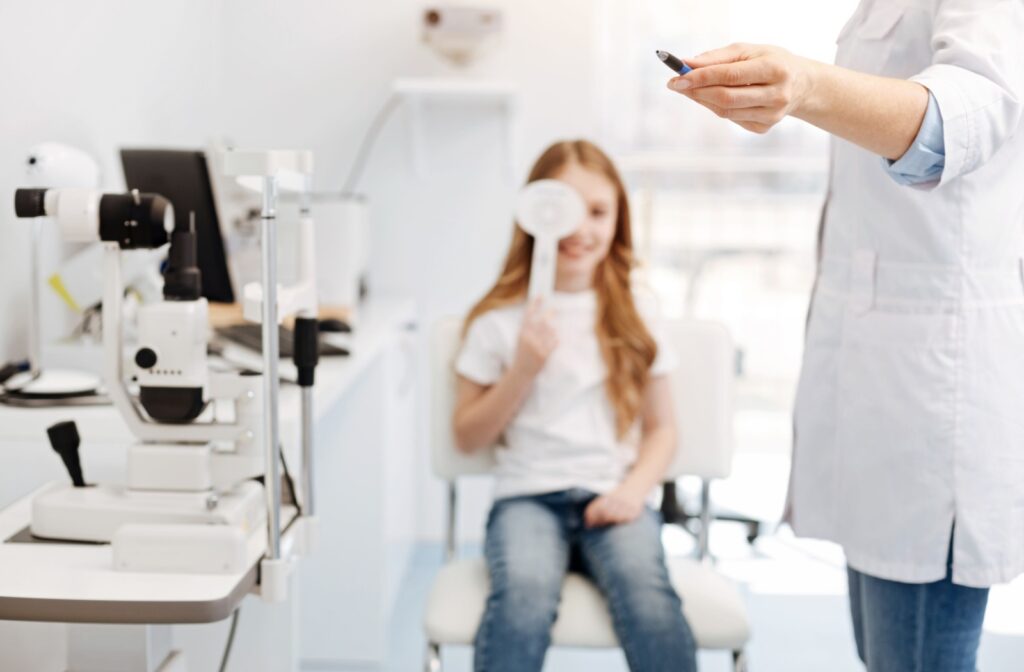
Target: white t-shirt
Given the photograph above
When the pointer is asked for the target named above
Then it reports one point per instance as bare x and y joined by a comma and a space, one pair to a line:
564, 434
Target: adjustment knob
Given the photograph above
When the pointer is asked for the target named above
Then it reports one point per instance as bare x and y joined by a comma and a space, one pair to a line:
65, 441
145, 358
30, 202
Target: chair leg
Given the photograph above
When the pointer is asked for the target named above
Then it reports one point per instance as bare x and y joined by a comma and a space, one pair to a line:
739, 661
433, 658
703, 539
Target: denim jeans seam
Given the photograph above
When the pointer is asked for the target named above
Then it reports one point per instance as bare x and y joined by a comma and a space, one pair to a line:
614, 598
480, 644
920, 636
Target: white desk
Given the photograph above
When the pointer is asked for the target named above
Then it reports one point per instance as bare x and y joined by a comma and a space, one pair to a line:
365, 486
76, 583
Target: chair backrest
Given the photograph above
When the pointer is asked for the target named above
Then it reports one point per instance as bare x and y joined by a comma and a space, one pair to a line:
702, 390
447, 461
703, 395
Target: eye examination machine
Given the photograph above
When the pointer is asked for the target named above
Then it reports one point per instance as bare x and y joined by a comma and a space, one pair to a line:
200, 520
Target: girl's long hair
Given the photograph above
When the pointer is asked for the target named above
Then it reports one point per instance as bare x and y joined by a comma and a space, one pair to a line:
627, 347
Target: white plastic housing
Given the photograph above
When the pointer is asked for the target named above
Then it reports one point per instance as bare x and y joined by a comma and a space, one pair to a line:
176, 331
52, 164
175, 467
275, 578
181, 549
77, 212
96, 513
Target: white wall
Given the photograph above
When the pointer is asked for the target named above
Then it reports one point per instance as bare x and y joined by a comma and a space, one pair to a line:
98, 76
312, 74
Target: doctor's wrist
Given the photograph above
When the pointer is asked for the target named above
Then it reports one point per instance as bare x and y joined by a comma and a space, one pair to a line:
811, 85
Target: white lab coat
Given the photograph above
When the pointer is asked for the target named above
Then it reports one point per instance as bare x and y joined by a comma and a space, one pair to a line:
910, 409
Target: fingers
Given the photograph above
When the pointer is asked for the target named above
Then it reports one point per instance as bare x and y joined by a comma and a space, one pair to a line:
732, 98
539, 318
742, 73
756, 119
733, 52
596, 513
538, 311
607, 510
534, 307
755, 127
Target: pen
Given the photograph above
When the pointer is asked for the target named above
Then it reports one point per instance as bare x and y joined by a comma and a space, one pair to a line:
674, 63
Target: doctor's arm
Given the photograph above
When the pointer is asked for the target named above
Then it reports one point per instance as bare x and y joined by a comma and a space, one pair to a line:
757, 86
976, 78
654, 456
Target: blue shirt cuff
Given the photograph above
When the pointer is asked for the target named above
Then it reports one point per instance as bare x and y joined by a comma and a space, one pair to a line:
926, 158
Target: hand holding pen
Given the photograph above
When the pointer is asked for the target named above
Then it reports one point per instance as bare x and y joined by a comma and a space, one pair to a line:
752, 85
756, 86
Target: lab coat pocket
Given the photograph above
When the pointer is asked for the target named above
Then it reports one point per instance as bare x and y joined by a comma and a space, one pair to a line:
874, 24
865, 43
895, 417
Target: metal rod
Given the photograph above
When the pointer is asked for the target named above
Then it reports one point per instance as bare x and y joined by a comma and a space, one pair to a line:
308, 503
272, 479
433, 662
113, 352
449, 543
35, 335
307, 268
703, 543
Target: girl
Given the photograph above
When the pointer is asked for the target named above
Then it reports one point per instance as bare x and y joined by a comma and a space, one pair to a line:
577, 388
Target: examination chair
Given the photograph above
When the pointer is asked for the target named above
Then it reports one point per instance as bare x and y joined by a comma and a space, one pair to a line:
702, 394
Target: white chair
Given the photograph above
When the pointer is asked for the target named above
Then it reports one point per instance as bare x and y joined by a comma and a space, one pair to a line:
702, 389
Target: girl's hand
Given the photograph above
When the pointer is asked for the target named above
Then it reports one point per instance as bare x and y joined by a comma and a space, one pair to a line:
617, 507
755, 86
537, 340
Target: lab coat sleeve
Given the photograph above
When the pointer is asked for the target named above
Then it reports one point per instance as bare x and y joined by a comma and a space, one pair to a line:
480, 358
922, 164
977, 78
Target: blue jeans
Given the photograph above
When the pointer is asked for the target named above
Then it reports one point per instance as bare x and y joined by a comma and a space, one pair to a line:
916, 627
533, 541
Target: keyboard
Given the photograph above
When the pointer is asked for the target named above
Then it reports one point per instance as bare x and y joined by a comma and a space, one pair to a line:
251, 336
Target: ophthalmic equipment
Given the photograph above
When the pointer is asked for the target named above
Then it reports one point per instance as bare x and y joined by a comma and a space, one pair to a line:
190, 502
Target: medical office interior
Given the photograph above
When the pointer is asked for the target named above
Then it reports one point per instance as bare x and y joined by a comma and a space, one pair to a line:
383, 146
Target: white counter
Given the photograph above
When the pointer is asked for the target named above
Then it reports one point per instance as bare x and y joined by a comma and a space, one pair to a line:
365, 484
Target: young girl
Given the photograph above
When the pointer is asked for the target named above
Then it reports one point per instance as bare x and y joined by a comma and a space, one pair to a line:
577, 388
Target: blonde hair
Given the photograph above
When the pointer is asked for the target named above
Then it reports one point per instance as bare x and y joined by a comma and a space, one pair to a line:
627, 347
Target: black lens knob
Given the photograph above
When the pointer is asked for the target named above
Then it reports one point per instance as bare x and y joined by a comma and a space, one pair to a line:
145, 358
30, 202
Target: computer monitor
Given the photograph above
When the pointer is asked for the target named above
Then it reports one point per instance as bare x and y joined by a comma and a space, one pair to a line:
183, 178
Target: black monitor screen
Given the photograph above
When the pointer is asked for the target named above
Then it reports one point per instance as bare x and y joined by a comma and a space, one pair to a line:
182, 177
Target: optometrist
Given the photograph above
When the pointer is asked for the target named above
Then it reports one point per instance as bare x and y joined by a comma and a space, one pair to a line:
909, 431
